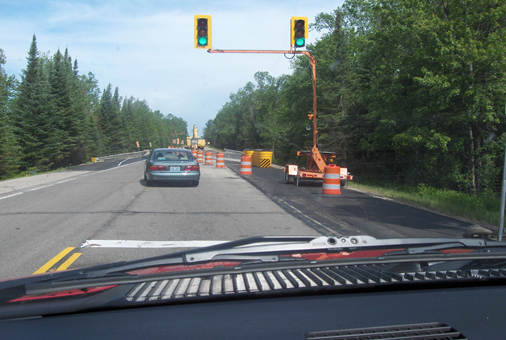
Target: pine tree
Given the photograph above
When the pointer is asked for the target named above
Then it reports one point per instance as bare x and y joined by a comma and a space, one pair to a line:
107, 119
57, 145
9, 150
129, 123
117, 125
78, 153
29, 110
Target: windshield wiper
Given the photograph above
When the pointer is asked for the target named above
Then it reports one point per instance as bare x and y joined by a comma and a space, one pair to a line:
433, 249
258, 250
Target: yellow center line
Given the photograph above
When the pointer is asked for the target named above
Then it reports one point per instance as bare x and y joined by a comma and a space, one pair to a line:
67, 263
54, 260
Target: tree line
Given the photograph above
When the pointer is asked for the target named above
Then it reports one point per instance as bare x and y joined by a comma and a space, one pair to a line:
409, 92
54, 117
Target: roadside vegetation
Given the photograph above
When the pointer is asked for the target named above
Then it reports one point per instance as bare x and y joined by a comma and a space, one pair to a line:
411, 95
483, 207
54, 117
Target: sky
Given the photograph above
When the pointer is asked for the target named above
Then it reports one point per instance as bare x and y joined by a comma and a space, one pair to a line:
146, 49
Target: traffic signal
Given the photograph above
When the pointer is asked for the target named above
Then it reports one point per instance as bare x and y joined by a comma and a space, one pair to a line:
202, 25
298, 33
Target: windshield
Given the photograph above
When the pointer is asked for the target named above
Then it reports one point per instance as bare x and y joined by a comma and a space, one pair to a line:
136, 129
161, 155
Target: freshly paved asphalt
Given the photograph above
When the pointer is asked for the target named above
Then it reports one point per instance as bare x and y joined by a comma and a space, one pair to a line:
352, 212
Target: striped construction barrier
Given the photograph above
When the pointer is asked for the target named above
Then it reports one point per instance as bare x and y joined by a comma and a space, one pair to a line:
245, 165
220, 160
200, 156
331, 180
194, 153
262, 158
265, 163
209, 158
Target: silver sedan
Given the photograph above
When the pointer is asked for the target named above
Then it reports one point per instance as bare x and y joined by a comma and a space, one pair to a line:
172, 165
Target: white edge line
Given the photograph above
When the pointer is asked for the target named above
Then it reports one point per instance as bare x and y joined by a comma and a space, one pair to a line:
19, 193
42, 187
71, 179
123, 161
306, 216
147, 244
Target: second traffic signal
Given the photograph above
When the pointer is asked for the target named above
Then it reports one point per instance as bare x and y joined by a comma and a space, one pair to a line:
298, 31
202, 27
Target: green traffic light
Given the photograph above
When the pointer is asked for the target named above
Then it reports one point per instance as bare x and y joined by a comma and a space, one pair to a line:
299, 42
202, 41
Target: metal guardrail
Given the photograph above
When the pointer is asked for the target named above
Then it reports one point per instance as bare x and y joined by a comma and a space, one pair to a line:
120, 156
232, 151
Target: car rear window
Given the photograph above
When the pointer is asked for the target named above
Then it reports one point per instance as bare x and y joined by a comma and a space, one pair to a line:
172, 156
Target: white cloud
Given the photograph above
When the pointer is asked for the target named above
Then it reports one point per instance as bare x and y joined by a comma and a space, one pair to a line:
146, 47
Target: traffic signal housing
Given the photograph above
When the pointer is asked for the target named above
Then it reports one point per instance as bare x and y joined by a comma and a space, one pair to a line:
202, 28
298, 31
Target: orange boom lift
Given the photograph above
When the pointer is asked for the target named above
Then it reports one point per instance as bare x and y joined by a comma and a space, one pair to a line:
316, 160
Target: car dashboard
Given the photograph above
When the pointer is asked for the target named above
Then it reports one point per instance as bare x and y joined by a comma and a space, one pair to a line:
466, 312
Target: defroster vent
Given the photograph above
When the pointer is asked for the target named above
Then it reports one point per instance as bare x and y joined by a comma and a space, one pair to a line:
284, 280
422, 331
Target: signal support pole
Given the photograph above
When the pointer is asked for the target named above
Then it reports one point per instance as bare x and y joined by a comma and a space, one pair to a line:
312, 60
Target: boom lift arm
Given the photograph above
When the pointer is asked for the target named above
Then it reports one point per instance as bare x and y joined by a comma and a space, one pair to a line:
316, 160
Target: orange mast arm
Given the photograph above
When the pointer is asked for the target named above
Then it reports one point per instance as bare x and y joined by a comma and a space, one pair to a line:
314, 150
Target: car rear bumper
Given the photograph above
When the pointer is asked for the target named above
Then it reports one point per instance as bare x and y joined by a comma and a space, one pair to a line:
172, 176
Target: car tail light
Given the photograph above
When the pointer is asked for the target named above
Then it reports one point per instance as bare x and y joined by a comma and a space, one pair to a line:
192, 168
157, 168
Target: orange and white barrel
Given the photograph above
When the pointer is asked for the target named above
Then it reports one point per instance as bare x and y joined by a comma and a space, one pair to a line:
245, 165
209, 158
194, 153
331, 180
200, 156
220, 160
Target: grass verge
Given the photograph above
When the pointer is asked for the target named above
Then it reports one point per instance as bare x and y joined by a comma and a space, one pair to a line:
481, 208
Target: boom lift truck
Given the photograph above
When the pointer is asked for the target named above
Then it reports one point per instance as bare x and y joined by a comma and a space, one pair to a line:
316, 159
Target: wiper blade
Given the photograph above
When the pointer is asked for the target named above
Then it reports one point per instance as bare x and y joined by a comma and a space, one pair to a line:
433, 249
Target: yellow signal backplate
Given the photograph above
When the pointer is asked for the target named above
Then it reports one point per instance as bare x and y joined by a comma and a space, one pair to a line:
292, 25
195, 31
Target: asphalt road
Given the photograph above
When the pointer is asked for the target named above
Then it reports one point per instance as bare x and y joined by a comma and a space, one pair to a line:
104, 212
84, 217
